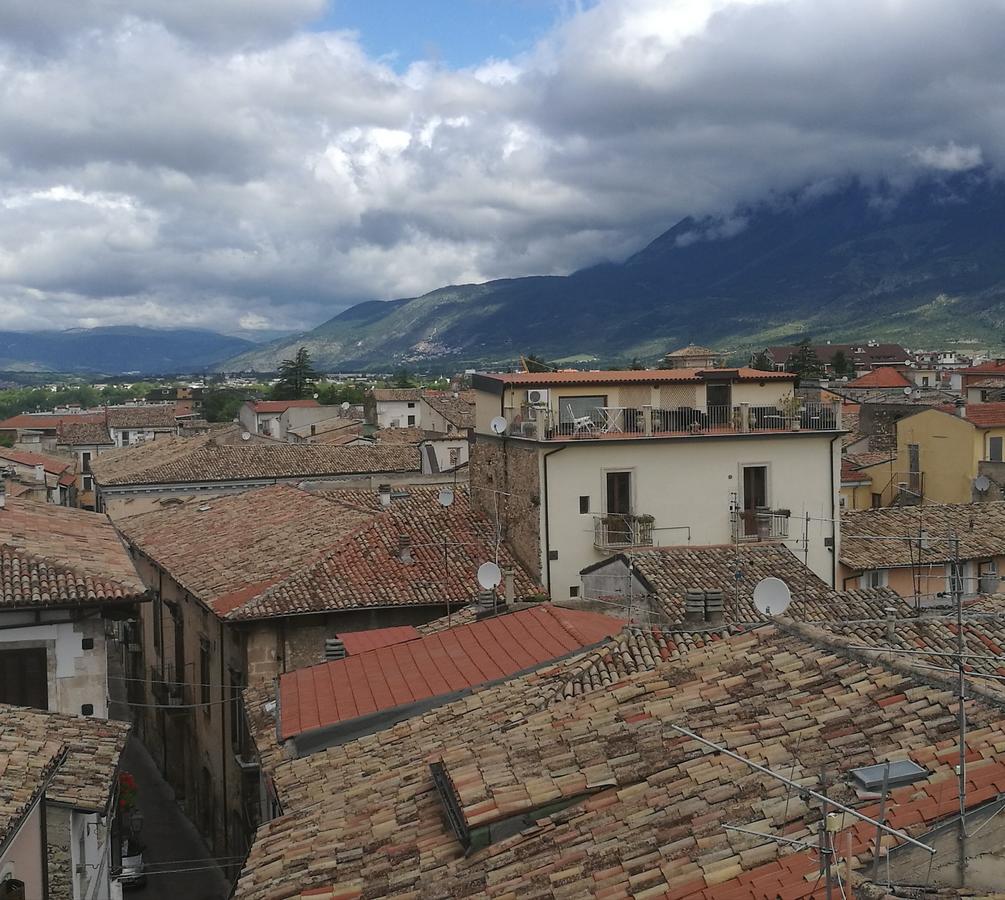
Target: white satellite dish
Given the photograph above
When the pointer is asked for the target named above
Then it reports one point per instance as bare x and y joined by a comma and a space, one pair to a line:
982, 483
499, 425
908, 391
446, 497
772, 596
489, 576
345, 406
245, 436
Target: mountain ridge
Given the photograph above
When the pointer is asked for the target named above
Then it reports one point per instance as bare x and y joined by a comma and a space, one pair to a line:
921, 264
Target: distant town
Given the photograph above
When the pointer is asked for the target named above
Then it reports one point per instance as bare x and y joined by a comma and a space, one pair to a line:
714, 627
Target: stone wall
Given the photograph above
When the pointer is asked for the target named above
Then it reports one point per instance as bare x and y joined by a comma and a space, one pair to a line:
505, 477
57, 835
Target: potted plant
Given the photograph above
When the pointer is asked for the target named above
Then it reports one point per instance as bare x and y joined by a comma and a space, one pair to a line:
791, 407
132, 873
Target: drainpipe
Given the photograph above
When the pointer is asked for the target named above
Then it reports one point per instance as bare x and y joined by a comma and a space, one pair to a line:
224, 706
834, 513
547, 532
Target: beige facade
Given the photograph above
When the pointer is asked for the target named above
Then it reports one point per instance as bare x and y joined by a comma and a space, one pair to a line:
23, 859
979, 576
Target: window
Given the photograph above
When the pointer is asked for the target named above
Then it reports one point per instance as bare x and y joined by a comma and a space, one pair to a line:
155, 608
875, 578
236, 709
924, 381
24, 678
574, 590
204, 673
411, 406
584, 505
88, 482
914, 468
995, 449
987, 572
718, 395
877, 501
454, 456
125, 438
755, 497
956, 578
619, 493
411, 421
85, 461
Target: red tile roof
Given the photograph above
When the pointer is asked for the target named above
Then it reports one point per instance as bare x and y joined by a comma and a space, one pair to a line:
631, 376
881, 377
986, 415
851, 475
992, 367
49, 421
23, 458
434, 665
280, 406
356, 642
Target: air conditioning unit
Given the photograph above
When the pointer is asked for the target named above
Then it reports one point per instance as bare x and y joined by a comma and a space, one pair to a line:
537, 397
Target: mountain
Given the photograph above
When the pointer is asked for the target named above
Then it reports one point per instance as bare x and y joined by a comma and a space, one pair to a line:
919, 265
115, 350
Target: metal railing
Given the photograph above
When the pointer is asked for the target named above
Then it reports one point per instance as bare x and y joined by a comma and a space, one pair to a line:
760, 524
543, 423
616, 531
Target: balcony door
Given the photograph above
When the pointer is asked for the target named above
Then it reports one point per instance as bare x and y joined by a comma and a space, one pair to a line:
755, 497
24, 678
619, 508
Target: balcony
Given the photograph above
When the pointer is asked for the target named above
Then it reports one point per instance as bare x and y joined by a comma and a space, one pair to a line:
542, 423
618, 531
760, 524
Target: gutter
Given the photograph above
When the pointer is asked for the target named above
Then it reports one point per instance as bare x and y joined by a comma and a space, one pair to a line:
834, 513
547, 530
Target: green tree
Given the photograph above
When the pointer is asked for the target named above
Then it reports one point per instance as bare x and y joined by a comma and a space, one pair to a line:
762, 362
221, 405
804, 362
337, 394
839, 363
296, 377
402, 379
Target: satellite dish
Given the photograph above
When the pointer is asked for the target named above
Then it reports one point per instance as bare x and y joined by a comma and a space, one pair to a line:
446, 497
772, 596
345, 406
982, 483
489, 575
245, 436
499, 425
908, 391
316, 396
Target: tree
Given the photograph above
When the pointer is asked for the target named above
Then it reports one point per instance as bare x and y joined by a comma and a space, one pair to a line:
337, 394
761, 362
296, 377
222, 405
839, 363
402, 379
804, 363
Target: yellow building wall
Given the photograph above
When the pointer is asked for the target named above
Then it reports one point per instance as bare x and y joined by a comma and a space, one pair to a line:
948, 447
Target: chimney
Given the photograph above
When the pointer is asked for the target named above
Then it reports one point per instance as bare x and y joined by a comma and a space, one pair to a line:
404, 548
891, 623
3, 494
694, 608
713, 607
485, 604
961, 407
40, 473
509, 580
384, 493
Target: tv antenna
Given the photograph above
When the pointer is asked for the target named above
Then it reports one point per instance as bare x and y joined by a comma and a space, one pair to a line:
499, 425
772, 596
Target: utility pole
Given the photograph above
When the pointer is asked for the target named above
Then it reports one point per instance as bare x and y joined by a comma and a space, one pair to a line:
825, 839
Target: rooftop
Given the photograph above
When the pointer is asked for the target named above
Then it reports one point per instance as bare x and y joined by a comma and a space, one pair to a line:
485, 381
692, 350
889, 536
52, 465
48, 420
55, 555
203, 458
365, 689
459, 411
27, 762
595, 794
881, 377
87, 778
280, 406
77, 434
364, 568
156, 416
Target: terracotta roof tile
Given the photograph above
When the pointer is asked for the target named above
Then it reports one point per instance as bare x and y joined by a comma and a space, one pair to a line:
399, 395
458, 411
27, 762
52, 465
54, 555
87, 777
881, 377
76, 434
280, 406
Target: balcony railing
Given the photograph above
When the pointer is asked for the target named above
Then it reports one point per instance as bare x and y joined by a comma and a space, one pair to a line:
760, 524
543, 423
617, 531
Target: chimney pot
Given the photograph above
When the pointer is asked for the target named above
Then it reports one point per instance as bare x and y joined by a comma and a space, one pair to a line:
405, 548
713, 607
509, 580
694, 607
891, 623
40, 473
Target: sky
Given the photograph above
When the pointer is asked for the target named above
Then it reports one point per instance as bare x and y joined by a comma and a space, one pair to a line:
249, 165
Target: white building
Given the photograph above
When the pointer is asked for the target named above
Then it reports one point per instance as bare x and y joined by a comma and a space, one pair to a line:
395, 407
581, 465
65, 571
275, 418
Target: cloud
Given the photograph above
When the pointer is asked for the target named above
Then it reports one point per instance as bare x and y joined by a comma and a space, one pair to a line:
220, 164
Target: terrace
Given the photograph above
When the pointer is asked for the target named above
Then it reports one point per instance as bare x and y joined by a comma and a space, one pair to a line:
544, 423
